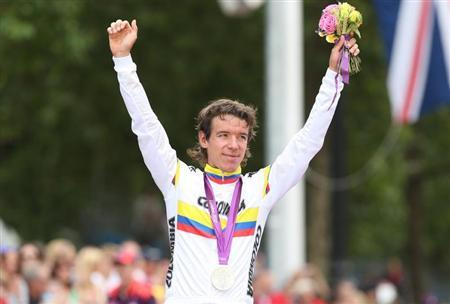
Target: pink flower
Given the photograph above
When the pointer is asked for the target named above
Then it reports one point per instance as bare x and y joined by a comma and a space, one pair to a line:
330, 8
327, 23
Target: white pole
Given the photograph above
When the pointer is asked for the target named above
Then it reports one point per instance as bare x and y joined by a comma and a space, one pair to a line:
284, 117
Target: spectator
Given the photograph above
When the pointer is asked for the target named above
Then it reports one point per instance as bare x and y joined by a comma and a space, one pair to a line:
152, 256
396, 275
30, 252
130, 290
159, 280
430, 298
307, 286
108, 269
386, 293
36, 274
84, 290
16, 290
320, 283
60, 250
347, 293
104, 275
134, 248
304, 292
3, 286
60, 256
263, 289
154, 274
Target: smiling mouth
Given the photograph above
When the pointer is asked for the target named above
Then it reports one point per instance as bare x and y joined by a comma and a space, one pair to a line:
232, 156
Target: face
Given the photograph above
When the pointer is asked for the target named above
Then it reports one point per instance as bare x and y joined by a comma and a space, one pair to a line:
126, 273
227, 143
11, 262
63, 272
29, 252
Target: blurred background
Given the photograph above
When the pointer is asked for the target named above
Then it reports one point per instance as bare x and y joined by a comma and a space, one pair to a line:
377, 194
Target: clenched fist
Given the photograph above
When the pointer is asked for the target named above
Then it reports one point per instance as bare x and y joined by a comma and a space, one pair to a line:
122, 37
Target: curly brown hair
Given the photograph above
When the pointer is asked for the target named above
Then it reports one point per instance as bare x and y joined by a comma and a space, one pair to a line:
222, 107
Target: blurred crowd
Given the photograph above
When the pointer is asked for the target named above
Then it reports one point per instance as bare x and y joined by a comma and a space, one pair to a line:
129, 273
59, 274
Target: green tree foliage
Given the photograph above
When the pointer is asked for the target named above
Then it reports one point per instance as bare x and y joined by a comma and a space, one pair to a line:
68, 159
378, 210
43, 182
377, 196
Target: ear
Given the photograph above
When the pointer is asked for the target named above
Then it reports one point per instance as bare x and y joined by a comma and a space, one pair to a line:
202, 139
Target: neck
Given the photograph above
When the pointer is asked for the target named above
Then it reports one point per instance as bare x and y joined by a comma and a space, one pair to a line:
222, 177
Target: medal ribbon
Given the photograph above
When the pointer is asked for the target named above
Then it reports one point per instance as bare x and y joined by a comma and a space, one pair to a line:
345, 62
343, 68
224, 237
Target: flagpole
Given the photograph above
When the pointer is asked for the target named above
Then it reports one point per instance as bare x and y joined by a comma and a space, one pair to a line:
284, 117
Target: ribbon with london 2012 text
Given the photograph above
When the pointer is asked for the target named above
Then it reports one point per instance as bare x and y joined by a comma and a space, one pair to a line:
224, 236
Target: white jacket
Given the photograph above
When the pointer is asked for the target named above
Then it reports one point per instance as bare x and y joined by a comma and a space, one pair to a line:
192, 240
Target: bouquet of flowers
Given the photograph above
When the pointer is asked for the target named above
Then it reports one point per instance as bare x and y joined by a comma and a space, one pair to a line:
337, 20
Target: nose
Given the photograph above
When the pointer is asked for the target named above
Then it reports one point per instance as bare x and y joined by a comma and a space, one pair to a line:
233, 143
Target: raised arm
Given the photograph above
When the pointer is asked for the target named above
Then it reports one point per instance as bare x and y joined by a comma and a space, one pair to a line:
158, 155
292, 163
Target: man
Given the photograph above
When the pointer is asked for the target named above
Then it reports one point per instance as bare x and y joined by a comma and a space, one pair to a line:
36, 274
216, 216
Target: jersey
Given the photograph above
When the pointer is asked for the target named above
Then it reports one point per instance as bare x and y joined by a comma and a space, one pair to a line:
192, 239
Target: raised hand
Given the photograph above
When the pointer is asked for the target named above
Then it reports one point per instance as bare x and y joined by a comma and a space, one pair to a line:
122, 37
336, 52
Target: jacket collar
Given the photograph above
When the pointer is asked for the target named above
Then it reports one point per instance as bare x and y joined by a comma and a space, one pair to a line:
221, 177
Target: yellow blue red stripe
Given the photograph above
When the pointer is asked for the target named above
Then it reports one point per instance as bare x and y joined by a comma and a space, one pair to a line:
188, 225
220, 177
194, 220
223, 179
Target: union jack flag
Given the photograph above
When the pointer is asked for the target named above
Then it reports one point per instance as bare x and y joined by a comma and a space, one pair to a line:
417, 41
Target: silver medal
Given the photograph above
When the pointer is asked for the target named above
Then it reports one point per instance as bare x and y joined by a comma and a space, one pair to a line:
222, 278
